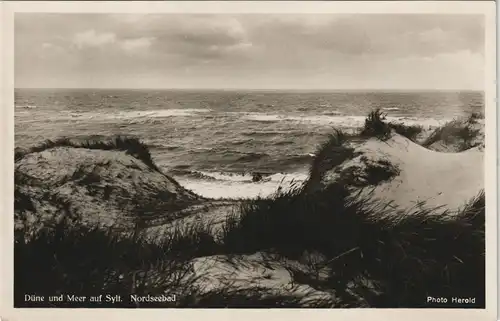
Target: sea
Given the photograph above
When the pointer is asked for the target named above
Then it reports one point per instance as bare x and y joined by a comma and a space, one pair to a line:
215, 141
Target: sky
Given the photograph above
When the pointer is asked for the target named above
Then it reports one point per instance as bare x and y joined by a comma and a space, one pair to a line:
253, 51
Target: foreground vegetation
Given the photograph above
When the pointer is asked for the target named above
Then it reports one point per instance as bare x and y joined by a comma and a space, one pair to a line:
374, 255
407, 256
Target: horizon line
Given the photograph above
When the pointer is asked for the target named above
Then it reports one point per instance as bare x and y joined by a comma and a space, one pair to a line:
255, 89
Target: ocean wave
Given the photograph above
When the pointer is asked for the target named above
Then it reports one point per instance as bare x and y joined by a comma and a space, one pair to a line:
228, 185
136, 114
186, 173
240, 158
283, 142
227, 152
241, 177
273, 133
338, 121
301, 159
251, 157
216, 159
263, 133
26, 106
241, 142
332, 113
163, 147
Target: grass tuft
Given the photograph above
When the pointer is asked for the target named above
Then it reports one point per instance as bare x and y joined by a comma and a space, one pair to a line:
375, 126
333, 152
131, 145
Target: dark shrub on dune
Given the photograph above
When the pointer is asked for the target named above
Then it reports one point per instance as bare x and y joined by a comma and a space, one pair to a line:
375, 126
477, 115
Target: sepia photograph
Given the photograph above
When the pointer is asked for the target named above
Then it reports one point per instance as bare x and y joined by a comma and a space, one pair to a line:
332, 160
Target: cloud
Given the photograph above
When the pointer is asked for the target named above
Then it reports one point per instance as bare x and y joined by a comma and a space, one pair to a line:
365, 34
50, 51
324, 49
138, 44
92, 38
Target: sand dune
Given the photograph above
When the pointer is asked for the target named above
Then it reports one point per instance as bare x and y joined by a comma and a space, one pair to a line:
111, 188
415, 174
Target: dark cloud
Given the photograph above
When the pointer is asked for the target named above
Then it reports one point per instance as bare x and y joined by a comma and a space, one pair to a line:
393, 35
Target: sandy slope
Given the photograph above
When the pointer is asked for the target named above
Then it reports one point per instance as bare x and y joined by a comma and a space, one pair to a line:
108, 187
438, 178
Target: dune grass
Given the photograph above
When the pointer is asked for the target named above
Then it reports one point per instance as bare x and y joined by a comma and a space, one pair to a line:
426, 252
462, 132
89, 261
376, 125
409, 254
131, 145
74, 258
334, 151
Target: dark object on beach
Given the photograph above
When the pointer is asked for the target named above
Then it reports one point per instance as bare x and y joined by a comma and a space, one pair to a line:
257, 177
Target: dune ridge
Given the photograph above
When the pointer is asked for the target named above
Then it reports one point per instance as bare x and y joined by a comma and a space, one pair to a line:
407, 174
